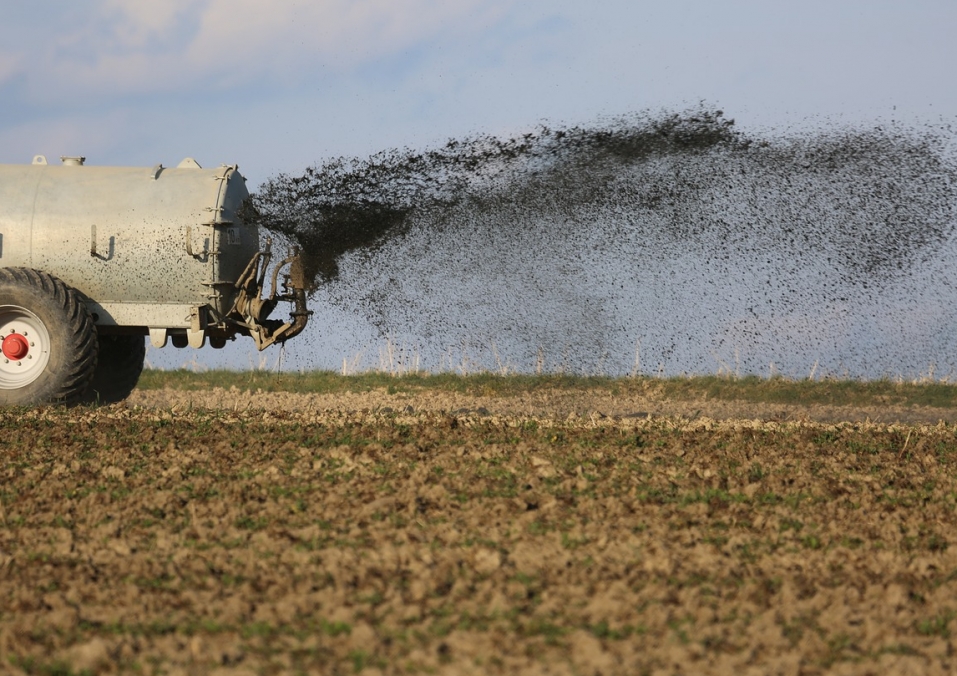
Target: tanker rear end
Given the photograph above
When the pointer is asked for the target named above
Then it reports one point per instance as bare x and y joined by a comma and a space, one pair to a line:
118, 253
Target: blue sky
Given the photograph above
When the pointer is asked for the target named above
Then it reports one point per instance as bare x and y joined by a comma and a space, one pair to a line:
277, 86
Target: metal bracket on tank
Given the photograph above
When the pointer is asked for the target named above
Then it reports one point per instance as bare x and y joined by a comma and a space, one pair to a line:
158, 337
196, 333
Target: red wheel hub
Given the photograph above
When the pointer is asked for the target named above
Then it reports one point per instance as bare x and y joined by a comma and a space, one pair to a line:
15, 347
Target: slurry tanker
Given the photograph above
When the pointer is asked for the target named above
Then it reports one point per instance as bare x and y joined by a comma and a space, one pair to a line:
93, 260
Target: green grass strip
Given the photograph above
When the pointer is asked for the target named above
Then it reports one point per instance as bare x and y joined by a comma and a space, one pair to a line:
750, 389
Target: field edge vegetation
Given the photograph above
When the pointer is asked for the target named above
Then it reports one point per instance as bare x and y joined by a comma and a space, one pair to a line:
776, 390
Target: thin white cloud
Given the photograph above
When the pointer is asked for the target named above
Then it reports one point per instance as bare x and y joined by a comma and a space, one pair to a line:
131, 47
10, 65
136, 25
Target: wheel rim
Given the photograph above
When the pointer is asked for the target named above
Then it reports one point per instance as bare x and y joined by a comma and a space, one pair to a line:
25, 347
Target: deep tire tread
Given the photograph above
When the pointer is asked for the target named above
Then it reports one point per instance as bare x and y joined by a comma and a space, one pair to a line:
121, 360
82, 341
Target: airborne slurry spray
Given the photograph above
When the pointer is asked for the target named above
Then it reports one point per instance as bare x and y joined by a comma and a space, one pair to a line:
664, 244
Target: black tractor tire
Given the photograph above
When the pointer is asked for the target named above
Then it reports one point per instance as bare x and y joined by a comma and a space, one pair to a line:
117, 370
49, 349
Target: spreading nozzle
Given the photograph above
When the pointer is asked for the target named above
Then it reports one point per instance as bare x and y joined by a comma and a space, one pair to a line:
252, 306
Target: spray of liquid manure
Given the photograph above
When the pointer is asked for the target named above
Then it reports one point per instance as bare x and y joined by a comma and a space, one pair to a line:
656, 243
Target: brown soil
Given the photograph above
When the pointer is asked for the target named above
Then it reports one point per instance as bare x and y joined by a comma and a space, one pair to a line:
232, 533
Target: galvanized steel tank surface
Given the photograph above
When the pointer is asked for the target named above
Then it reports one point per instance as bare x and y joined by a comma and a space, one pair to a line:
135, 235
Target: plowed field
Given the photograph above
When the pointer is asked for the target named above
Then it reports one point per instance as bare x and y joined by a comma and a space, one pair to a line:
165, 536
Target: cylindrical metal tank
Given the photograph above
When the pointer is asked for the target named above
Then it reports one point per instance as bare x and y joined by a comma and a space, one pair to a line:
94, 258
144, 244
